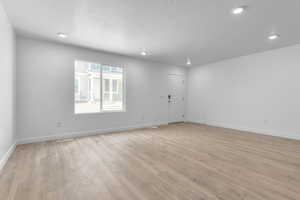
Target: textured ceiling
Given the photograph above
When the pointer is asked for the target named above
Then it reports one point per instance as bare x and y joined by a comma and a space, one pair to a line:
169, 30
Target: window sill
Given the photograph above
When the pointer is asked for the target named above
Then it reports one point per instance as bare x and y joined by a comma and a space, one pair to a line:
102, 112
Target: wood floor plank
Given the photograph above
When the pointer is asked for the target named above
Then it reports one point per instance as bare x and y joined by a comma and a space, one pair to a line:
175, 162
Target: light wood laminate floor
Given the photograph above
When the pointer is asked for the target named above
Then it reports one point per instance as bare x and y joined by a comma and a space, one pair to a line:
180, 161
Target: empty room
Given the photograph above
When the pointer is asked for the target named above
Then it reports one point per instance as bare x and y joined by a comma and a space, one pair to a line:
149, 100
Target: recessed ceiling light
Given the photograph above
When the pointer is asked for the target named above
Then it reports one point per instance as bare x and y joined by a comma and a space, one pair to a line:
62, 35
143, 53
188, 61
273, 37
238, 10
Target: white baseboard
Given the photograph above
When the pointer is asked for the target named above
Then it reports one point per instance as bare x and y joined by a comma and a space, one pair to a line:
84, 133
294, 136
6, 156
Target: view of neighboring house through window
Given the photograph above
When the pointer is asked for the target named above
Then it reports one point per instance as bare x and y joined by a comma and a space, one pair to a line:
98, 88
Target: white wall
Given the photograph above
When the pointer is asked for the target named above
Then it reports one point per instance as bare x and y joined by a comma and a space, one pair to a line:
7, 87
45, 78
259, 93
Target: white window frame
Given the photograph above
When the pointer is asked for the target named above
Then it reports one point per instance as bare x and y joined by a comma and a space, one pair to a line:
101, 89
78, 86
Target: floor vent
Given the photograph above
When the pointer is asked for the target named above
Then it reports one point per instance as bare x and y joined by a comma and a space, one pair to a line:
65, 140
154, 127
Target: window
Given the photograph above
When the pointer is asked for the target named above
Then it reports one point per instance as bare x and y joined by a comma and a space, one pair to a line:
77, 86
106, 85
98, 88
114, 85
